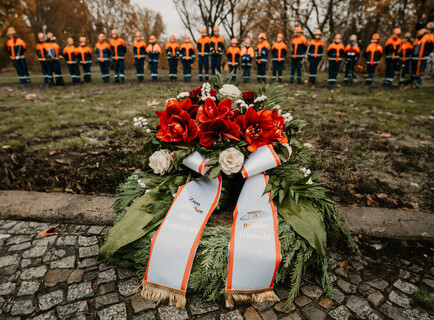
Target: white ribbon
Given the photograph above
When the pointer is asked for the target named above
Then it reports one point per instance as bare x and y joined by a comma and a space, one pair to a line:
196, 162
262, 159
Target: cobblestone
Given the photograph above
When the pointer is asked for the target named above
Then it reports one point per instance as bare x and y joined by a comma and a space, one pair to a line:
49, 300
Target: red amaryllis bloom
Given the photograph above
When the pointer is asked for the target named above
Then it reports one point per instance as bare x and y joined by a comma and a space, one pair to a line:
176, 125
185, 105
248, 96
210, 111
261, 128
216, 130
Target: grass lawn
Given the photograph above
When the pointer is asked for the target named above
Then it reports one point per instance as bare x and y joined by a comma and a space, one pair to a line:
373, 143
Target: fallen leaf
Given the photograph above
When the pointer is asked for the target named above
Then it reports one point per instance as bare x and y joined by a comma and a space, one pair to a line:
342, 264
290, 98
389, 303
47, 232
358, 195
152, 103
384, 134
371, 201
30, 96
381, 195
425, 142
52, 152
60, 161
414, 205
404, 243
6, 147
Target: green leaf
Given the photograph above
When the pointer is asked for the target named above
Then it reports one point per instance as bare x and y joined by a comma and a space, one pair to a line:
130, 228
214, 172
306, 221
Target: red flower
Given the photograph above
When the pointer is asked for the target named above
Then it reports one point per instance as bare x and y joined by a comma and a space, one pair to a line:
248, 96
185, 105
210, 111
261, 128
216, 130
176, 125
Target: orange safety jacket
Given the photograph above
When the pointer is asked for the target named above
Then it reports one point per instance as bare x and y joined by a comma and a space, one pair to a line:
234, 54
352, 52
153, 51
247, 54
139, 49
203, 46
71, 54
316, 49
391, 47
103, 51
16, 48
299, 46
422, 49
187, 51
53, 50
405, 50
336, 51
172, 50
278, 51
216, 45
262, 50
118, 48
373, 53
84, 54
41, 50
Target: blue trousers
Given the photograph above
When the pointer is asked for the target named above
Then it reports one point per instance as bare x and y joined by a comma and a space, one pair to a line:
278, 68
405, 69
203, 66
86, 72
173, 69
119, 70
390, 71
46, 72
22, 71
246, 73
333, 71
140, 68
74, 72
371, 71
295, 65
234, 70
105, 72
262, 67
313, 68
154, 70
350, 64
216, 64
55, 67
415, 75
186, 64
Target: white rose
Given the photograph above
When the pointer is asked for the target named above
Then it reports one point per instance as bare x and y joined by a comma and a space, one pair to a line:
231, 160
229, 91
161, 161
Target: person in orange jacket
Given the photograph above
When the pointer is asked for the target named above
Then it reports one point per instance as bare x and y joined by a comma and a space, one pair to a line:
103, 54
261, 52
16, 48
70, 53
314, 55
139, 51
299, 46
203, 50
336, 54
85, 59
216, 49
392, 59
173, 52
153, 50
373, 55
278, 52
233, 54
187, 56
404, 53
247, 53
53, 54
41, 51
352, 54
422, 48
119, 50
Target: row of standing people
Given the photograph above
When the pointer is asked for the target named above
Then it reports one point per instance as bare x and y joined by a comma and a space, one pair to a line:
401, 55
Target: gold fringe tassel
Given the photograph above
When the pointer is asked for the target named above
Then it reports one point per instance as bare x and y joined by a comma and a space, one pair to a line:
155, 292
233, 297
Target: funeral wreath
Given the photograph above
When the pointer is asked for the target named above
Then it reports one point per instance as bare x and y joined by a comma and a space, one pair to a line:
212, 150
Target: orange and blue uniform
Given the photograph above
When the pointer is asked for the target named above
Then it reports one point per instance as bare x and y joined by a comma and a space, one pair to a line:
16, 48
315, 52
41, 51
187, 57
203, 50
53, 55
278, 53
233, 54
119, 50
153, 50
139, 51
85, 59
404, 53
216, 49
299, 46
173, 53
373, 55
247, 54
336, 53
103, 54
391, 49
70, 53
352, 54
422, 48
261, 52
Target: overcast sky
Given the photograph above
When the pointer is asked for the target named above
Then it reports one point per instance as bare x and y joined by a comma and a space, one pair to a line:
170, 15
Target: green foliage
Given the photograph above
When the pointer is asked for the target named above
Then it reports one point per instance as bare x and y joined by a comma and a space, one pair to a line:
425, 298
218, 81
275, 94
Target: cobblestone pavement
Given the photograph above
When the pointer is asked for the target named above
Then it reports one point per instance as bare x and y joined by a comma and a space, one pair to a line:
58, 277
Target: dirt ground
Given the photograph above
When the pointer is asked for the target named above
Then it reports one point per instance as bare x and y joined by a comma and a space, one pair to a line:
374, 144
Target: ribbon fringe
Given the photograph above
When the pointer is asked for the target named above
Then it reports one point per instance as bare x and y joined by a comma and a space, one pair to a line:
154, 292
233, 297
